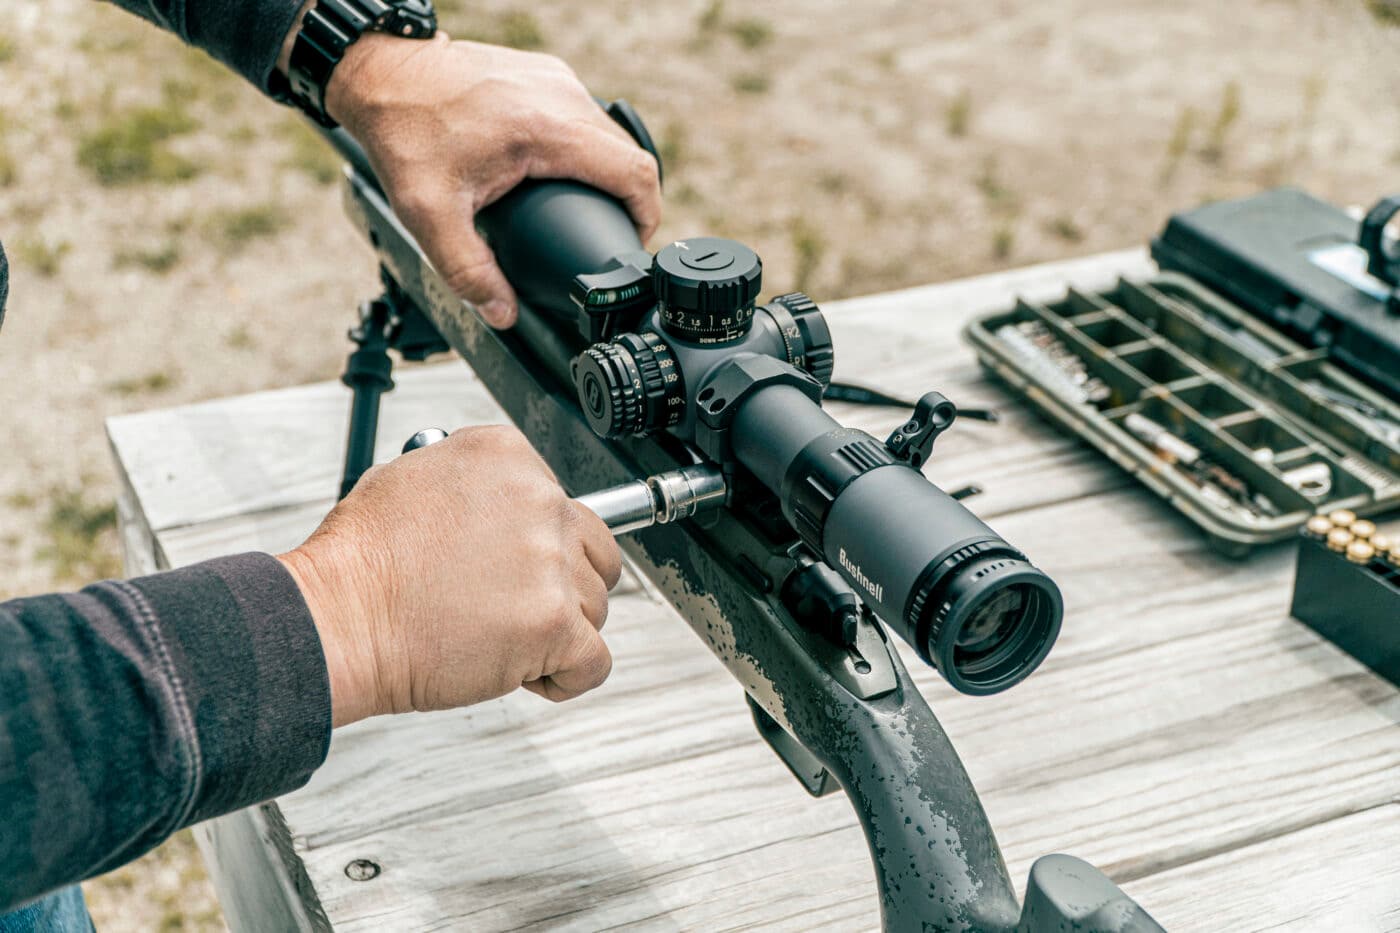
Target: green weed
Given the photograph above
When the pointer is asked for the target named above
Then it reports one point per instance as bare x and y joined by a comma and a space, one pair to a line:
751, 33
515, 28
155, 381
1179, 143
998, 195
1225, 119
1064, 228
1003, 242
240, 338
750, 82
808, 248
235, 228
686, 195
75, 528
520, 30
131, 147
957, 117
20, 500
160, 259
1386, 12
711, 18
310, 154
672, 145
42, 256
9, 167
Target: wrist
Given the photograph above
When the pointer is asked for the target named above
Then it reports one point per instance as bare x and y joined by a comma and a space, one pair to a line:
342, 619
367, 71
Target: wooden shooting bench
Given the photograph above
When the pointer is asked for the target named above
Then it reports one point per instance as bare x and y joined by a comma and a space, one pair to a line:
1226, 766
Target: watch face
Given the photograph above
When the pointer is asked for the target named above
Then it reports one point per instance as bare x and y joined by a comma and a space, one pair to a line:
413, 19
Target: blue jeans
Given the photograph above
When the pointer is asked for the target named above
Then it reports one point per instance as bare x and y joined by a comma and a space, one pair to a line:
61, 912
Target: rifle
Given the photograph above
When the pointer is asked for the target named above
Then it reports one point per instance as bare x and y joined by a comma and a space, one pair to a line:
788, 542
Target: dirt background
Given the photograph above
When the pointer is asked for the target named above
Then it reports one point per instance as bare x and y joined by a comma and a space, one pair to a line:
175, 237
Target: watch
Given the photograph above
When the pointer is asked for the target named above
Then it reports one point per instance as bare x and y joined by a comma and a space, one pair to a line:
327, 30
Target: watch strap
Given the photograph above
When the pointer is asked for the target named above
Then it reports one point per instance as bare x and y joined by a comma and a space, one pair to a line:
327, 30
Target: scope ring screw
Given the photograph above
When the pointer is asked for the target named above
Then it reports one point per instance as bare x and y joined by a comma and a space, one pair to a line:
362, 869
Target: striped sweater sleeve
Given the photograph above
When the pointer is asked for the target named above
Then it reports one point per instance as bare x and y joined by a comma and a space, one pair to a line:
134, 708
246, 35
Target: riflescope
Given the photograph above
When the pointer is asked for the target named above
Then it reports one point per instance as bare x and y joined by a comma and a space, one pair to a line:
677, 343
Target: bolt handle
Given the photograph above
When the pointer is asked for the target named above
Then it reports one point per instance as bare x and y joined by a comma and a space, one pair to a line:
423, 438
665, 497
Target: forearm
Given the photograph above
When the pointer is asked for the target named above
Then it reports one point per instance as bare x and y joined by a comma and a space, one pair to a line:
132, 709
247, 35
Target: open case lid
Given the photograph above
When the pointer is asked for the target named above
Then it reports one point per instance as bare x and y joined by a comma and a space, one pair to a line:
1297, 263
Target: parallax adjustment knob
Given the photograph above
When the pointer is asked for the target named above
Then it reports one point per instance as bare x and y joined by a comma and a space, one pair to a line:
630, 386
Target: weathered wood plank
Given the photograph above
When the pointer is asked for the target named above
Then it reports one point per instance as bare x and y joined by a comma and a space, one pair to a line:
273, 450
1345, 874
259, 881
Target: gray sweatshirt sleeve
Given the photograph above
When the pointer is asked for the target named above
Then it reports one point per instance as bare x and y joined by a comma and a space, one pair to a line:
246, 35
135, 708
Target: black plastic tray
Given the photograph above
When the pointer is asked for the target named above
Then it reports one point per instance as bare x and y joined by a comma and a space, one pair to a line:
1245, 397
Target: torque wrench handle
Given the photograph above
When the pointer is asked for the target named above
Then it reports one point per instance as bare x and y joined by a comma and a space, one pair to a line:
665, 497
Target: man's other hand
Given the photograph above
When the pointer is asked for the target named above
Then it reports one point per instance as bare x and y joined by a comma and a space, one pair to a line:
454, 575
450, 127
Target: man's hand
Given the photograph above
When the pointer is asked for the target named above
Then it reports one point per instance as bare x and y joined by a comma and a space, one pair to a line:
454, 575
450, 127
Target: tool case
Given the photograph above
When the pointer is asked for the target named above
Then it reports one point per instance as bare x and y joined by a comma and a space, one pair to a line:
1243, 429
1304, 267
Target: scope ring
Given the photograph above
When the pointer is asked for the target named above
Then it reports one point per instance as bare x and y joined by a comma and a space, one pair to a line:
718, 400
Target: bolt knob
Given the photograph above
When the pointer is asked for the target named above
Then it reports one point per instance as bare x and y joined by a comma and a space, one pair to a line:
423, 438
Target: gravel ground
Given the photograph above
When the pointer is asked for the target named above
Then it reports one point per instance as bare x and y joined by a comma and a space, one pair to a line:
174, 237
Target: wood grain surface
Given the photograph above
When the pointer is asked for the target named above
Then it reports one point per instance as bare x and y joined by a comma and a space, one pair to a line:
1229, 768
